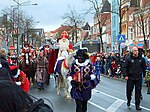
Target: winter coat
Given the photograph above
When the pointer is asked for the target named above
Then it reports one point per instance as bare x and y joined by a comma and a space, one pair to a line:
4, 63
4, 74
134, 67
41, 69
98, 65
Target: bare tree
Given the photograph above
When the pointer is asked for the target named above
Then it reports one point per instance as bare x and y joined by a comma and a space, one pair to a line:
96, 7
141, 15
74, 20
17, 20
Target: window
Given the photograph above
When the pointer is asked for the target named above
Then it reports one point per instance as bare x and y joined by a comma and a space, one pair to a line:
149, 25
130, 33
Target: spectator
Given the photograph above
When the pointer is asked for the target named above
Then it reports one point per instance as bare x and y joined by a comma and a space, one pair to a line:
98, 66
4, 73
107, 64
3, 59
113, 64
13, 98
134, 67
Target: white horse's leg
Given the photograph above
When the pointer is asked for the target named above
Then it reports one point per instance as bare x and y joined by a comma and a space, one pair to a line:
56, 80
58, 86
67, 93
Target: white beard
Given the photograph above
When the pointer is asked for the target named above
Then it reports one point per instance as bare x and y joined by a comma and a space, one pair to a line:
63, 45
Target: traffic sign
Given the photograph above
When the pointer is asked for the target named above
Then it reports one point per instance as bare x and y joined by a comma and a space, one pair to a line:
121, 38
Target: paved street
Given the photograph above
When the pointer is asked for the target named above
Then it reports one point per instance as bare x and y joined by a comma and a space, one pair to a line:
109, 96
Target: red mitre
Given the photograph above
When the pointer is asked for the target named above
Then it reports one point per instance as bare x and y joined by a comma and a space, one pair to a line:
64, 34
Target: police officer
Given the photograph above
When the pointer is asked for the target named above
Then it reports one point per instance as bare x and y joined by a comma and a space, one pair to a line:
134, 68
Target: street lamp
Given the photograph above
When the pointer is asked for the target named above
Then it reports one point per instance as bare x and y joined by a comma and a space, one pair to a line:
18, 25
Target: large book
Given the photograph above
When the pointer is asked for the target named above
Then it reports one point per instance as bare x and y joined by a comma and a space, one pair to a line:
77, 77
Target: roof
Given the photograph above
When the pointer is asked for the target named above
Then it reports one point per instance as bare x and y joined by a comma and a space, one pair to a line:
1, 21
61, 29
106, 7
86, 27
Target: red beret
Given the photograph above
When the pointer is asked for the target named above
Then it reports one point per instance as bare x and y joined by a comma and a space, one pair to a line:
13, 67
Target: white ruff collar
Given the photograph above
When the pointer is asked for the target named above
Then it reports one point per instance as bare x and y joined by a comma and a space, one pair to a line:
26, 48
82, 64
0, 65
46, 48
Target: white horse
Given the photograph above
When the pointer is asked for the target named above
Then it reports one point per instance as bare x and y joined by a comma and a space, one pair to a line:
61, 79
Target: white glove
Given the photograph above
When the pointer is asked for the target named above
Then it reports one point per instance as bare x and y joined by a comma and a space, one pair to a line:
92, 77
18, 83
69, 78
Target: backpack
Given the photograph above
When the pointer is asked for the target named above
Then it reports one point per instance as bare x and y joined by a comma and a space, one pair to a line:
40, 106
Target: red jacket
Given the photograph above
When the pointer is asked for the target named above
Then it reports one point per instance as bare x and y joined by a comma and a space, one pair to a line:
25, 84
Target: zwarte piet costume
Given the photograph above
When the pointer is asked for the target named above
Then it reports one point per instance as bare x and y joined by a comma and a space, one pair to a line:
81, 75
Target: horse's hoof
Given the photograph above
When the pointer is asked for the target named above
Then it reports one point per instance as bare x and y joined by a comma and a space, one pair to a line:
58, 94
69, 97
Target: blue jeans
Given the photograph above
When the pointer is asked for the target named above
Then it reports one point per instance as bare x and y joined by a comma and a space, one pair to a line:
40, 85
98, 72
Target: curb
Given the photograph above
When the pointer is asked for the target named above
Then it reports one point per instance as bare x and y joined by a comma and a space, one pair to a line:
120, 79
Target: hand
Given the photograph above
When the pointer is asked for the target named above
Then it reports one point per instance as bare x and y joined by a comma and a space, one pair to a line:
69, 78
92, 76
87, 77
18, 83
126, 78
74, 83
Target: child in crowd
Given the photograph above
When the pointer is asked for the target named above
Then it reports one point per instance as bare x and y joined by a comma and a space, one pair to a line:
98, 66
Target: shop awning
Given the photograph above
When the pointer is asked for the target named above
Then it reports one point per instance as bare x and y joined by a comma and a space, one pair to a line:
11, 48
138, 44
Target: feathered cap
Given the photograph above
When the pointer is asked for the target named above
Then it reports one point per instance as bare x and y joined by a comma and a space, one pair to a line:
13, 67
14, 71
82, 52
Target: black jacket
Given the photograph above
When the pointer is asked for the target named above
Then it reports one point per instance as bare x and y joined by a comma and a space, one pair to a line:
4, 74
4, 63
134, 67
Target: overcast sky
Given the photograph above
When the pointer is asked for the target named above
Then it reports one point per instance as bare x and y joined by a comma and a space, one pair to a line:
49, 12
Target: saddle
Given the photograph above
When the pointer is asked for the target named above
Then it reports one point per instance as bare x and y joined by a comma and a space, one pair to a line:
58, 67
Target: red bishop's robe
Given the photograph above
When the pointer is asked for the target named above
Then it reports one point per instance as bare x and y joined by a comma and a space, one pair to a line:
52, 60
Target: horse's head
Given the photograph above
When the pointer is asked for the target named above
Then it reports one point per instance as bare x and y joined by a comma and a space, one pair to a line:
26, 59
70, 58
53, 43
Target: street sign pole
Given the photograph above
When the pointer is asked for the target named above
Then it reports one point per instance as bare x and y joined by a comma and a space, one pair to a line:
121, 39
